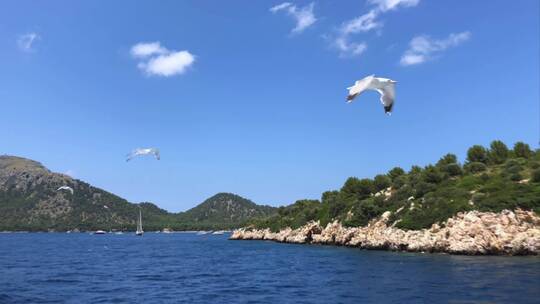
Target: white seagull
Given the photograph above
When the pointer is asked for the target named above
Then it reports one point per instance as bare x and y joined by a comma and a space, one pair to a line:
65, 188
385, 87
143, 151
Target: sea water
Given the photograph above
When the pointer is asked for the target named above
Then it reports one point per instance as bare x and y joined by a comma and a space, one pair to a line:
190, 268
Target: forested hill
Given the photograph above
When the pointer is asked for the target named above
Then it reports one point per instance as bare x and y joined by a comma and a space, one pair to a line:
225, 210
490, 179
29, 200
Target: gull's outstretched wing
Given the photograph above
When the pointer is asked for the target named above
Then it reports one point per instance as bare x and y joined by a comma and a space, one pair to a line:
155, 151
388, 95
143, 151
359, 87
65, 188
130, 156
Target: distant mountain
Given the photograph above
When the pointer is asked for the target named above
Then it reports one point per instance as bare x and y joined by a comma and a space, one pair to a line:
225, 210
29, 200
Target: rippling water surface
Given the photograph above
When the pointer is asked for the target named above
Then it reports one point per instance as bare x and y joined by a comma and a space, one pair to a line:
182, 267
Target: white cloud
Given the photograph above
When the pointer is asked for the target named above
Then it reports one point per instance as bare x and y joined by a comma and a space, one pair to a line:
169, 64
26, 41
281, 6
147, 49
365, 23
347, 48
423, 48
159, 61
387, 5
304, 16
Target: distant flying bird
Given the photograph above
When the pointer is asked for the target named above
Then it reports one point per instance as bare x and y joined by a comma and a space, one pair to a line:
385, 87
65, 188
143, 151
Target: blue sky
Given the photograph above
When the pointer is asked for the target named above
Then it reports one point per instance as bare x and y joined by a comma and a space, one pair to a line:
243, 98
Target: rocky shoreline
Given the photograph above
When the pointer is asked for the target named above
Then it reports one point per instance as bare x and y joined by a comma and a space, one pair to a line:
471, 233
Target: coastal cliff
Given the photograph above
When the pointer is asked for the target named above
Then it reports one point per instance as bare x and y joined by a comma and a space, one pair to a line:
472, 233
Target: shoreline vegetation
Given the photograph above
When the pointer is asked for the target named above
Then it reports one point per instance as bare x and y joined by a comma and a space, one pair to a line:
470, 233
399, 210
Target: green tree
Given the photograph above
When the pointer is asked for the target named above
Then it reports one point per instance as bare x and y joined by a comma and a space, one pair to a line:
432, 175
446, 160
498, 152
452, 170
475, 167
366, 188
395, 172
449, 166
359, 188
535, 176
399, 182
477, 153
329, 196
415, 170
522, 149
381, 182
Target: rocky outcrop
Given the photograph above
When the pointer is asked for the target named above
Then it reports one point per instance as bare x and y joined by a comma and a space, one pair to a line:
505, 233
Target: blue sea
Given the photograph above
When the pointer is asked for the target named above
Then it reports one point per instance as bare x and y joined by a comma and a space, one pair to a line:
190, 268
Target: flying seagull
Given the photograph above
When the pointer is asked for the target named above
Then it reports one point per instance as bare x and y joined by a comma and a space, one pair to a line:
65, 188
385, 87
143, 151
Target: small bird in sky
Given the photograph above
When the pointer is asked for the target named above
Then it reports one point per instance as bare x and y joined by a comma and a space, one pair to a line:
143, 151
65, 188
385, 87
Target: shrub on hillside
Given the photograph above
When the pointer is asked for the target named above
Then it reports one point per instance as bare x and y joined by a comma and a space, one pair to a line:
381, 182
395, 172
535, 176
399, 182
475, 167
498, 152
452, 169
432, 175
522, 149
477, 153
446, 160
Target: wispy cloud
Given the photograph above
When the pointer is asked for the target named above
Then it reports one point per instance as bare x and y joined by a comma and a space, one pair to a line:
365, 23
347, 48
422, 48
26, 41
157, 60
388, 5
304, 16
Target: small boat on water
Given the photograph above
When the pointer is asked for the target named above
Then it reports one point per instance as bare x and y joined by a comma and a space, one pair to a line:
203, 232
218, 232
100, 232
139, 231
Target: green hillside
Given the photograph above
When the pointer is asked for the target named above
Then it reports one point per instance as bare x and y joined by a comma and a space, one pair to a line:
224, 210
29, 200
491, 179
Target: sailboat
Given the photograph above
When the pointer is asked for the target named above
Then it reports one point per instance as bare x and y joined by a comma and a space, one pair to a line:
139, 224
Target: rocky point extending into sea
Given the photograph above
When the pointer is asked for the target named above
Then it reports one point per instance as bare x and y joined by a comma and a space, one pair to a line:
473, 233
